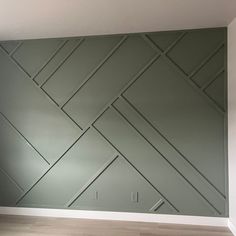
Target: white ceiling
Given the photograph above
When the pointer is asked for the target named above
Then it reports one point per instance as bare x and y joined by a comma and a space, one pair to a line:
23, 19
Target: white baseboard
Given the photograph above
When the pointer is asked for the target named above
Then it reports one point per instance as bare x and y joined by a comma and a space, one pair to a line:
121, 216
232, 227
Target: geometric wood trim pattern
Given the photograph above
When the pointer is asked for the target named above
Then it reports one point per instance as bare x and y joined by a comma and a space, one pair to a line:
117, 123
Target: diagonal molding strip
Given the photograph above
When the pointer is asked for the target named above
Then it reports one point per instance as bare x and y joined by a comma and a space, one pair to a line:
190, 165
136, 169
16, 63
46, 95
12, 180
27, 141
180, 162
27, 191
80, 41
184, 75
157, 205
55, 61
132, 80
113, 50
174, 167
136, 118
207, 59
211, 80
91, 181
50, 58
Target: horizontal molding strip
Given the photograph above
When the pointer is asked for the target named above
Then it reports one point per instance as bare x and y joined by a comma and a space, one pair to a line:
120, 216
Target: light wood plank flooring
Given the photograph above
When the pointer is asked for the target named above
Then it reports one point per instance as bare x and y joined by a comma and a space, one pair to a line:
43, 226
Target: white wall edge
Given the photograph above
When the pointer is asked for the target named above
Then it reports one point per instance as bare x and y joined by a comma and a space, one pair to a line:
121, 216
232, 227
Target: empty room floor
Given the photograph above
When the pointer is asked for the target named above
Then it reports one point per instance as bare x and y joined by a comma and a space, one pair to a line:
43, 226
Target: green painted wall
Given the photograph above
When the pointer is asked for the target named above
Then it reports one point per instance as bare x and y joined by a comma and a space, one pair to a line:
123, 123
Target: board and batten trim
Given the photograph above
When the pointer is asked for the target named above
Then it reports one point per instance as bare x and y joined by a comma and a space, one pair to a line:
120, 216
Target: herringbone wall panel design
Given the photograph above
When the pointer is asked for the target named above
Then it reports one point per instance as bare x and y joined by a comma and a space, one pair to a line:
123, 123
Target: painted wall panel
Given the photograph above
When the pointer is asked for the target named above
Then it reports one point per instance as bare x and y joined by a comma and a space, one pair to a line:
194, 48
49, 130
68, 78
178, 111
120, 179
19, 160
117, 123
165, 39
33, 54
184, 167
10, 46
216, 92
57, 61
71, 173
159, 172
212, 67
9, 190
112, 76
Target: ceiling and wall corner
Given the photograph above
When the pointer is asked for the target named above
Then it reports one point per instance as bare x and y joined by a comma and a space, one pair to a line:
27, 19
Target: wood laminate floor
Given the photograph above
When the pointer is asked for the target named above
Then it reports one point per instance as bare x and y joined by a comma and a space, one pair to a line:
43, 226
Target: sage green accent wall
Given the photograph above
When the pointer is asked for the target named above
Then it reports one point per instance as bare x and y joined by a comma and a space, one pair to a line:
132, 123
